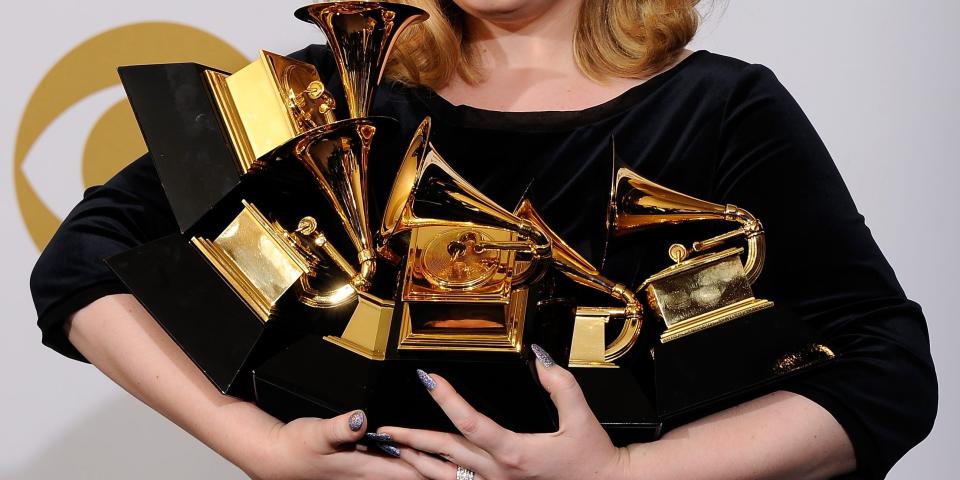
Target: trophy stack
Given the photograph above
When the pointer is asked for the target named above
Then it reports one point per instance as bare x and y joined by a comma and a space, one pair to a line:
284, 291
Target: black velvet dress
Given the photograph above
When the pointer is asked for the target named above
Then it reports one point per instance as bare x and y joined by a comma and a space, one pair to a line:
712, 127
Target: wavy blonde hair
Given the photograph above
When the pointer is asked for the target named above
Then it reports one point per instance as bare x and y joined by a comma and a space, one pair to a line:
614, 38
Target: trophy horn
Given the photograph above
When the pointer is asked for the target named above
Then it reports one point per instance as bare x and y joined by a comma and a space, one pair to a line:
428, 192
361, 35
336, 156
637, 204
581, 271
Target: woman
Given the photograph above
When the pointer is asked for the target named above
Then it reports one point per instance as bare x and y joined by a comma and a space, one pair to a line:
533, 90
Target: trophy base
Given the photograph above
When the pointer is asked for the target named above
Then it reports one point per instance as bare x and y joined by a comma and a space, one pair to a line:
713, 368
317, 378
619, 403
204, 316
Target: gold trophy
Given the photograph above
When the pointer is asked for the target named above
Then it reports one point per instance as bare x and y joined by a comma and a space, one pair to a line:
277, 108
719, 341
468, 260
696, 292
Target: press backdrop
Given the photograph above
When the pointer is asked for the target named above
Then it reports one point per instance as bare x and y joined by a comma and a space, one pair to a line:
878, 79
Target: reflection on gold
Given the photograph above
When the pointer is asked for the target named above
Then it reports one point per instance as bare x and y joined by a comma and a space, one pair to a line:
268, 103
427, 326
255, 260
429, 275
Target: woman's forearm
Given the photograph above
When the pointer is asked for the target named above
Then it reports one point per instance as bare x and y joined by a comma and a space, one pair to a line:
121, 338
781, 435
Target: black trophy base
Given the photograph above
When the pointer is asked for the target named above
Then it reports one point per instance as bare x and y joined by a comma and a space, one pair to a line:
620, 404
315, 378
201, 312
723, 365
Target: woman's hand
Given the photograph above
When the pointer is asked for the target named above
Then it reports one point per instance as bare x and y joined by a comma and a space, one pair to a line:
314, 448
118, 336
580, 449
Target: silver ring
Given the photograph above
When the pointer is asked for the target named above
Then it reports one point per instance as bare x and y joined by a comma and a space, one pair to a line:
464, 474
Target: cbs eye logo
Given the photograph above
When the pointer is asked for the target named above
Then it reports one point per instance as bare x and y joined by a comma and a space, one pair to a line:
78, 128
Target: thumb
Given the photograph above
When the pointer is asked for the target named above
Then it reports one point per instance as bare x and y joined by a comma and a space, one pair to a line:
343, 429
572, 407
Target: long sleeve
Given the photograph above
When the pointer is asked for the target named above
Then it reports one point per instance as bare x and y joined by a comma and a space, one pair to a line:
129, 210
823, 262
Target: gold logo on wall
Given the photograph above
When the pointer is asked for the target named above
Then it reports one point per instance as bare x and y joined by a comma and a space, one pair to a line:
114, 140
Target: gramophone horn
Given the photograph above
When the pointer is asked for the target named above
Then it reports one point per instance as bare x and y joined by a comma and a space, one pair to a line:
428, 192
361, 35
580, 270
336, 155
637, 203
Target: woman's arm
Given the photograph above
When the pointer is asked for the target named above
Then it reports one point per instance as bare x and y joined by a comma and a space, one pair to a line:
780, 435
117, 335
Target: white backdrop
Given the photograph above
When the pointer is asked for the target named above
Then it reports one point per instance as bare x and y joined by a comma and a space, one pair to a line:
877, 79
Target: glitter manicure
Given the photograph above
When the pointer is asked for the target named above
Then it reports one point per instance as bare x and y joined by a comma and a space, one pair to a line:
379, 437
542, 355
356, 420
389, 449
426, 380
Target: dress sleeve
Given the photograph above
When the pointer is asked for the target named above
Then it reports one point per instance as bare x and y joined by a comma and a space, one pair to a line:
129, 210
823, 262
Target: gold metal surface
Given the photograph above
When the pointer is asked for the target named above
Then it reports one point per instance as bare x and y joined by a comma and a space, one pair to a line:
588, 344
255, 260
465, 327
428, 192
579, 269
361, 36
638, 204
427, 252
267, 103
713, 318
262, 262
336, 156
701, 292
368, 330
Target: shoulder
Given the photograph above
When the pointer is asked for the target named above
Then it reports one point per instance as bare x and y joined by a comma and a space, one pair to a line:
729, 80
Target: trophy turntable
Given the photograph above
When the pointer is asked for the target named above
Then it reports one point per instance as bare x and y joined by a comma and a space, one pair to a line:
279, 290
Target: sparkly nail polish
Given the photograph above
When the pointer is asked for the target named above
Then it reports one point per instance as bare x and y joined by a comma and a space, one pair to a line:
542, 355
426, 380
356, 420
389, 449
379, 437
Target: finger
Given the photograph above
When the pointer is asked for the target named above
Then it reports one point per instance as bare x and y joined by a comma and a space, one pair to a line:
354, 464
452, 447
572, 407
478, 428
429, 466
344, 429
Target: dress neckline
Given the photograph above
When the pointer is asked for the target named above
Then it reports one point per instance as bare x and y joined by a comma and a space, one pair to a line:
544, 121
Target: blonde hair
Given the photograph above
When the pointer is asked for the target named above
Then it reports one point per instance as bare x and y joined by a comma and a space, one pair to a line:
614, 38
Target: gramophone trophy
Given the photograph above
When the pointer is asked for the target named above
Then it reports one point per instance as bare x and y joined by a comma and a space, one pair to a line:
718, 340
279, 290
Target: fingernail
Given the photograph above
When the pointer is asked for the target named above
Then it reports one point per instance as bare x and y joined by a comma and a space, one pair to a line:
356, 420
389, 449
542, 355
426, 380
379, 437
